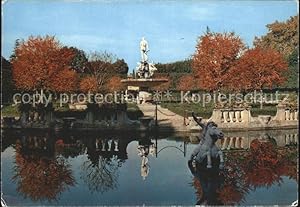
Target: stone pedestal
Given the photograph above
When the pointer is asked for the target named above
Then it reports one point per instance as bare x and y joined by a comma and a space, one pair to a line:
143, 86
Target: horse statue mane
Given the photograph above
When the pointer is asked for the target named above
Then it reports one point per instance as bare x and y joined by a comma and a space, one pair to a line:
207, 151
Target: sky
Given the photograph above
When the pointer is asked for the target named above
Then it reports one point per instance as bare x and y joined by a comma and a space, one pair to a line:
170, 27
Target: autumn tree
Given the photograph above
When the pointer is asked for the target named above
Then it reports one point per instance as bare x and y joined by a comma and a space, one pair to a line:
165, 85
258, 68
216, 54
41, 63
114, 84
281, 36
105, 70
186, 83
89, 84
99, 70
79, 62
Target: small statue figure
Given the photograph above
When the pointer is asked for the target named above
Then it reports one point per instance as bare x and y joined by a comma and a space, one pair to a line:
144, 49
144, 69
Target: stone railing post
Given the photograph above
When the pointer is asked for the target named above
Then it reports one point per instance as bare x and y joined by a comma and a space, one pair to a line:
245, 115
231, 116
216, 116
281, 112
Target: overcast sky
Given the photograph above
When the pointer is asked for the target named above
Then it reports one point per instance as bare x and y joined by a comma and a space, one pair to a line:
170, 27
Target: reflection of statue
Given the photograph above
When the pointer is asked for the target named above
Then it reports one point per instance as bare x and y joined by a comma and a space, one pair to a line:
206, 149
145, 148
144, 49
207, 183
144, 167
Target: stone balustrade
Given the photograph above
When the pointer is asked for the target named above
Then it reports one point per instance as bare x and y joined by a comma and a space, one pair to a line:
240, 142
36, 118
291, 139
234, 116
228, 143
291, 115
286, 113
107, 145
240, 118
231, 116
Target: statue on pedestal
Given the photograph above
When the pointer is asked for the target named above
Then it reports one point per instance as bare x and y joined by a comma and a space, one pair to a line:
145, 69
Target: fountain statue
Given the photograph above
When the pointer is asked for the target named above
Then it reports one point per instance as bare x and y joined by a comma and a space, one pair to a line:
143, 81
144, 68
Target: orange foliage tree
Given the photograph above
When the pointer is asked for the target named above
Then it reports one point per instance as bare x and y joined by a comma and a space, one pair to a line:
216, 54
281, 36
114, 84
186, 82
41, 63
88, 84
103, 73
163, 86
258, 68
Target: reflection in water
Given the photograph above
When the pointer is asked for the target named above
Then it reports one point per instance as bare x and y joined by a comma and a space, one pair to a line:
206, 183
262, 166
40, 174
101, 176
145, 147
100, 171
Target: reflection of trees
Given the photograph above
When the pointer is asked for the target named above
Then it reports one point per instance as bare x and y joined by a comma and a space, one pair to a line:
101, 176
262, 166
197, 185
234, 187
40, 178
100, 172
72, 149
289, 162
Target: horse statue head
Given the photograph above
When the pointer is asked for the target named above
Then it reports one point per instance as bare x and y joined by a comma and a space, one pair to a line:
213, 132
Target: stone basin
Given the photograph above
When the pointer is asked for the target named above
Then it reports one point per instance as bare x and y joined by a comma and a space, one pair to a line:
144, 82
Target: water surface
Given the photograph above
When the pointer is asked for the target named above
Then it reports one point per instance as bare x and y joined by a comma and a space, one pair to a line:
67, 168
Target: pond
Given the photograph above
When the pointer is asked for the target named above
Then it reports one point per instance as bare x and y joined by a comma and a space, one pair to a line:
120, 168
